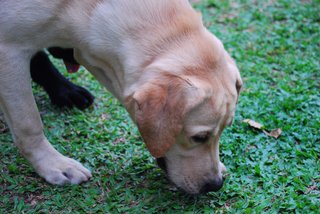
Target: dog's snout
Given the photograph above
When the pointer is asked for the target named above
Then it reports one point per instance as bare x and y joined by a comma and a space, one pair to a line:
162, 164
211, 186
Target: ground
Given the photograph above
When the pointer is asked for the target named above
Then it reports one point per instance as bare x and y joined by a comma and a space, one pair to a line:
276, 45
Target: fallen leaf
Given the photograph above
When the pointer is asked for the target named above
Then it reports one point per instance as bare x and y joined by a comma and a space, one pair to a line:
250, 147
119, 140
34, 203
253, 124
311, 188
274, 133
104, 117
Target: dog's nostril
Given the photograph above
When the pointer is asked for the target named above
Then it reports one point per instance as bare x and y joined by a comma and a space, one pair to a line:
162, 164
214, 185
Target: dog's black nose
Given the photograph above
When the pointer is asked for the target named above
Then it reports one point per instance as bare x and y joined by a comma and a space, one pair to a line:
211, 186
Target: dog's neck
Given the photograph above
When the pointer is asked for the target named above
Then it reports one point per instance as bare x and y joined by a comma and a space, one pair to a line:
121, 43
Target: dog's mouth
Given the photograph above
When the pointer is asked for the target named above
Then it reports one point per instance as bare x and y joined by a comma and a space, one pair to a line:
71, 67
162, 164
212, 185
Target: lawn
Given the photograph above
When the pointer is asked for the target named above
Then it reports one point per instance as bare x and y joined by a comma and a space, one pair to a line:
277, 46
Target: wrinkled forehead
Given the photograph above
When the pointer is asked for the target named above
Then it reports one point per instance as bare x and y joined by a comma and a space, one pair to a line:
207, 115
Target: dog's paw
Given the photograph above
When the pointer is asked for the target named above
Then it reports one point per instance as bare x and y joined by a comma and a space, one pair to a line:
62, 170
71, 95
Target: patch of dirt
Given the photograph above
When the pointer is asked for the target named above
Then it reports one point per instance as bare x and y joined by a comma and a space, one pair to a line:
29, 198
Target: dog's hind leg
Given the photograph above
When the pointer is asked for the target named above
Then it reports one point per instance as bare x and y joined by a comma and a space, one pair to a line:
21, 113
61, 91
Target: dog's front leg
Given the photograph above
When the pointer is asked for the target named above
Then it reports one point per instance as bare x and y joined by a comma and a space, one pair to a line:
21, 113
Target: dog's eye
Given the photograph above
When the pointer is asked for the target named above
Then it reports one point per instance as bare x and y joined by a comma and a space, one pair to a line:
201, 138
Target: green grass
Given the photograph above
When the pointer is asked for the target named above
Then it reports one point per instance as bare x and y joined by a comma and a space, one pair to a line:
277, 47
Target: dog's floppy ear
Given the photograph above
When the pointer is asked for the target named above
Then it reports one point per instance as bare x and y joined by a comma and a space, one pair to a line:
158, 114
159, 109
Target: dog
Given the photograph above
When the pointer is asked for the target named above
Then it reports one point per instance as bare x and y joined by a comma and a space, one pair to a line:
61, 91
173, 76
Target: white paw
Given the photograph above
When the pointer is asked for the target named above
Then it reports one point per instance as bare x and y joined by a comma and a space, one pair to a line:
61, 170
53, 166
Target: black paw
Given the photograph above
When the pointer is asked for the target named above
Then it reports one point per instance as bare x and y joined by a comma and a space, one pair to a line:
61, 91
70, 95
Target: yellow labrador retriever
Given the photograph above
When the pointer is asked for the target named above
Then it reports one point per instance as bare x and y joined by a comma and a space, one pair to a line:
173, 76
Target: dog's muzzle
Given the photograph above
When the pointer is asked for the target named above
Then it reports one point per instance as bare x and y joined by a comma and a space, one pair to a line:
212, 186
209, 186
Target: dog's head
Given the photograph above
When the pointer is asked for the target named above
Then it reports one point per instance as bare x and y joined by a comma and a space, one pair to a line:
179, 85
181, 117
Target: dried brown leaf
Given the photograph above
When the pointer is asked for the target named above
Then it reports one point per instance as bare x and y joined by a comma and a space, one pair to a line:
253, 124
274, 133
311, 188
119, 140
250, 147
104, 117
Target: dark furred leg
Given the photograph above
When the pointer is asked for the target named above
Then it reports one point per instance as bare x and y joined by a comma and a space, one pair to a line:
61, 91
63, 53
